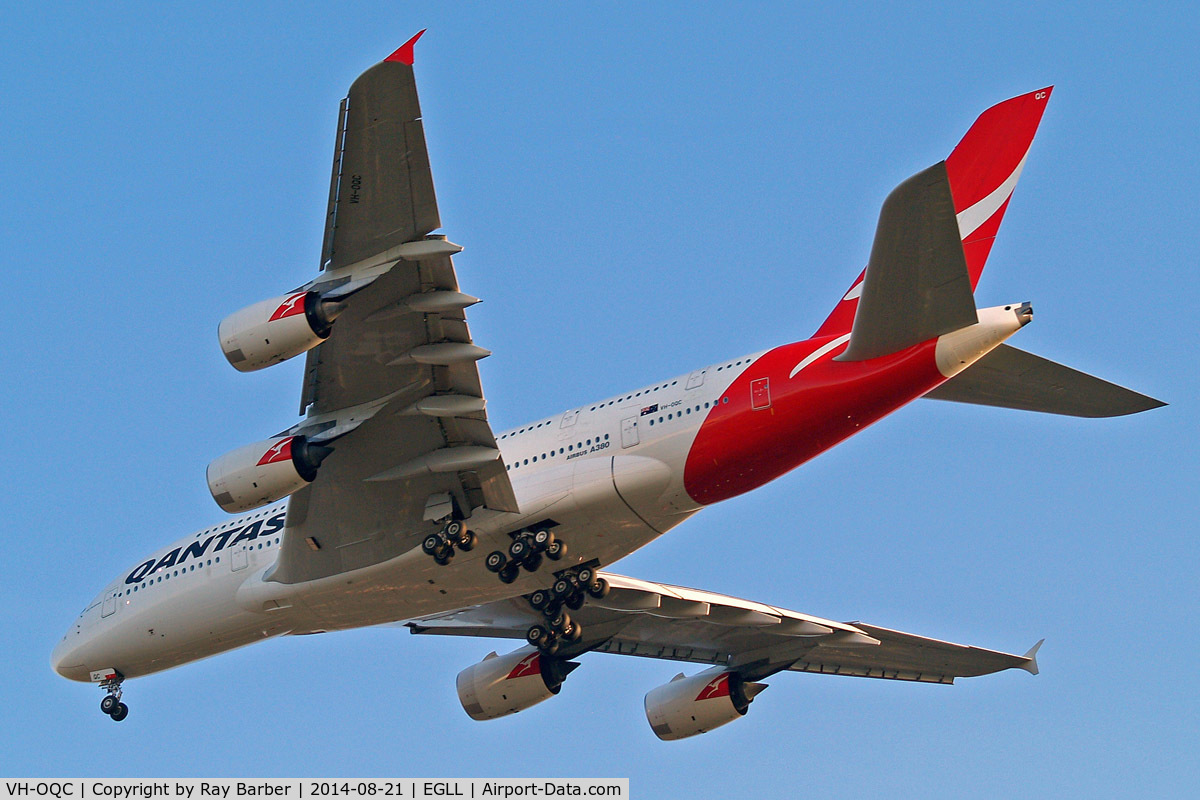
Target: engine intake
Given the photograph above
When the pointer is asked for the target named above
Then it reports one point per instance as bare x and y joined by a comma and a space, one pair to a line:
503, 685
275, 330
263, 472
688, 706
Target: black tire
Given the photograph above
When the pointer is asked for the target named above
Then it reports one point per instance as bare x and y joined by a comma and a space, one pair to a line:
537, 636
120, 712
562, 589
575, 634
466, 540
495, 561
431, 543
452, 530
509, 573
533, 561
585, 576
542, 539
109, 704
552, 608
575, 601
599, 588
550, 647
519, 549
556, 550
539, 599
443, 558
560, 622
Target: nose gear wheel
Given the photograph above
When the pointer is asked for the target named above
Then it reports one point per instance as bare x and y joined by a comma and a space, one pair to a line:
111, 704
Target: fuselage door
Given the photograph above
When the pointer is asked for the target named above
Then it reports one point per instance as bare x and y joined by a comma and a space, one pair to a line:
695, 380
629, 434
239, 559
110, 604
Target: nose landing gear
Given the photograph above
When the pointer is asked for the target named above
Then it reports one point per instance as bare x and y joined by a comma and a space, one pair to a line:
111, 704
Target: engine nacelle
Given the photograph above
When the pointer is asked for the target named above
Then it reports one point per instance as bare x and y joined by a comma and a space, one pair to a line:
263, 472
503, 685
688, 706
274, 330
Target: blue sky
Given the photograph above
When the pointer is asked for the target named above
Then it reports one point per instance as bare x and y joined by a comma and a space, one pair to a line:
641, 189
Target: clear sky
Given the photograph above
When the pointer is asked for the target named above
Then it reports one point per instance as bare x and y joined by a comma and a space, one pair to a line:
641, 189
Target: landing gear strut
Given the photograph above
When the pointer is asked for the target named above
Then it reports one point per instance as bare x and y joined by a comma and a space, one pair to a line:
443, 544
111, 704
557, 626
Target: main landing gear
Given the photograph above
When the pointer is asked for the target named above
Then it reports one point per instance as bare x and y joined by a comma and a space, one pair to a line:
111, 704
527, 550
557, 627
443, 544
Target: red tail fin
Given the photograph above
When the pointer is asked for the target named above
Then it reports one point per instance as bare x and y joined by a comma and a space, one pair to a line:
983, 171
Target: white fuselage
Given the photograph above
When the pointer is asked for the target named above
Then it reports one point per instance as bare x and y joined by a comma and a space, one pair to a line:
609, 475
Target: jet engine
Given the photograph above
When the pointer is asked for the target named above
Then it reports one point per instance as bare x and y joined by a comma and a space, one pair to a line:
263, 472
503, 685
688, 706
274, 330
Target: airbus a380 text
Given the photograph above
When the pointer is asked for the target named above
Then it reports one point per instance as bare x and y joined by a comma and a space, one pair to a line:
392, 501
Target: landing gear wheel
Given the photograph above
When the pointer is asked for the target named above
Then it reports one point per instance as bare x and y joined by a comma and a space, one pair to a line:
585, 576
495, 561
120, 712
466, 540
442, 557
519, 550
537, 636
509, 573
560, 622
573, 632
550, 647
556, 549
599, 588
453, 529
431, 543
109, 704
539, 599
542, 539
575, 601
533, 562
563, 588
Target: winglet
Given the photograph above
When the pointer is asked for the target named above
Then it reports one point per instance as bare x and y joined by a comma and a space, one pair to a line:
1030, 664
405, 52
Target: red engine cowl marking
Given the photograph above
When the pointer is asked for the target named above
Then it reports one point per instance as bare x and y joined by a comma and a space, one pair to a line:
529, 665
293, 305
739, 448
718, 687
280, 451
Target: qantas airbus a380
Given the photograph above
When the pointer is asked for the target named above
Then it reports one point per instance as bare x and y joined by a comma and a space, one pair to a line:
392, 500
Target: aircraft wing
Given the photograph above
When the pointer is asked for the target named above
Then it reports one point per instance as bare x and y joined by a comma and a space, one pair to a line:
654, 620
395, 389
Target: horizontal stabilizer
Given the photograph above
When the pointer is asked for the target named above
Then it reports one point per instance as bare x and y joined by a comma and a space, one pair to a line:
1011, 378
916, 285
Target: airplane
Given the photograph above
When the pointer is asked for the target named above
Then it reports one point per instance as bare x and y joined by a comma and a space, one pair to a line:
393, 502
